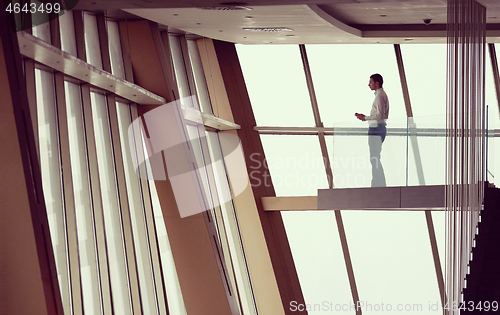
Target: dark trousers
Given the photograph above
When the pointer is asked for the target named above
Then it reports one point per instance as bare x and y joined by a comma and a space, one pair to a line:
376, 136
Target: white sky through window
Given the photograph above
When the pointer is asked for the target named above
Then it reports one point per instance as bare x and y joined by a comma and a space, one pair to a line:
390, 251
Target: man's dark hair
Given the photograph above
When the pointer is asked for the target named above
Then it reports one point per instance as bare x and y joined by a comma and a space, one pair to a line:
377, 78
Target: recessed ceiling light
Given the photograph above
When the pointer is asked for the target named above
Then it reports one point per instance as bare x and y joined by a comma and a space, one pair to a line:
229, 6
268, 29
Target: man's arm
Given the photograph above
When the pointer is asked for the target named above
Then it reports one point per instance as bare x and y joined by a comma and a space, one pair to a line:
361, 117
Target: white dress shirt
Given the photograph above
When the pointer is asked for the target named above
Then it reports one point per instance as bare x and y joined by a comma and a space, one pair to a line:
380, 109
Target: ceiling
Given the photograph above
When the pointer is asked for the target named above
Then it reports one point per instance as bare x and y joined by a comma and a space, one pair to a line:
310, 22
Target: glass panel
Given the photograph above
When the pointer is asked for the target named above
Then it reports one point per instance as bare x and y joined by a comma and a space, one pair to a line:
93, 48
426, 80
392, 261
199, 77
317, 254
50, 164
195, 137
42, 30
231, 226
206, 171
112, 212
115, 49
137, 216
175, 301
432, 154
341, 74
68, 36
179, 68
276, 84
295, 164
83, 208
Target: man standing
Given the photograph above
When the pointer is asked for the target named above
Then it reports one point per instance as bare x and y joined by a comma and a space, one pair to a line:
377, 130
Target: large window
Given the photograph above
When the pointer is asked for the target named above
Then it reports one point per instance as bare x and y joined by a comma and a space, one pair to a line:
109, 244
109, 236
389, 251
210, 165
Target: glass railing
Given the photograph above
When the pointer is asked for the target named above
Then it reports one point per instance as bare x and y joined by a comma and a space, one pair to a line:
413, 153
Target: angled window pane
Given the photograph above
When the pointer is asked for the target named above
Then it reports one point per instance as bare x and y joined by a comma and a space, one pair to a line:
179, 68
341, 74
175, 301
85, 222
68, 36
112, 213
199, 77
137, 216
276, 84
42, 28
115, 49
317, 254
50, 164
392, 260
235, 251
92, 46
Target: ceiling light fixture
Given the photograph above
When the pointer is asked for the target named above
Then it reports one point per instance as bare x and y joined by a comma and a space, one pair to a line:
229, 6
268, 29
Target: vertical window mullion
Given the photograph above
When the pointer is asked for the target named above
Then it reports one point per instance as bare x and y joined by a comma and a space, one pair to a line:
79, 23
102, 252
103, 42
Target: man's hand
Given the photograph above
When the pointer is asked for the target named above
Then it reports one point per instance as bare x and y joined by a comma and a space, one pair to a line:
360, 117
